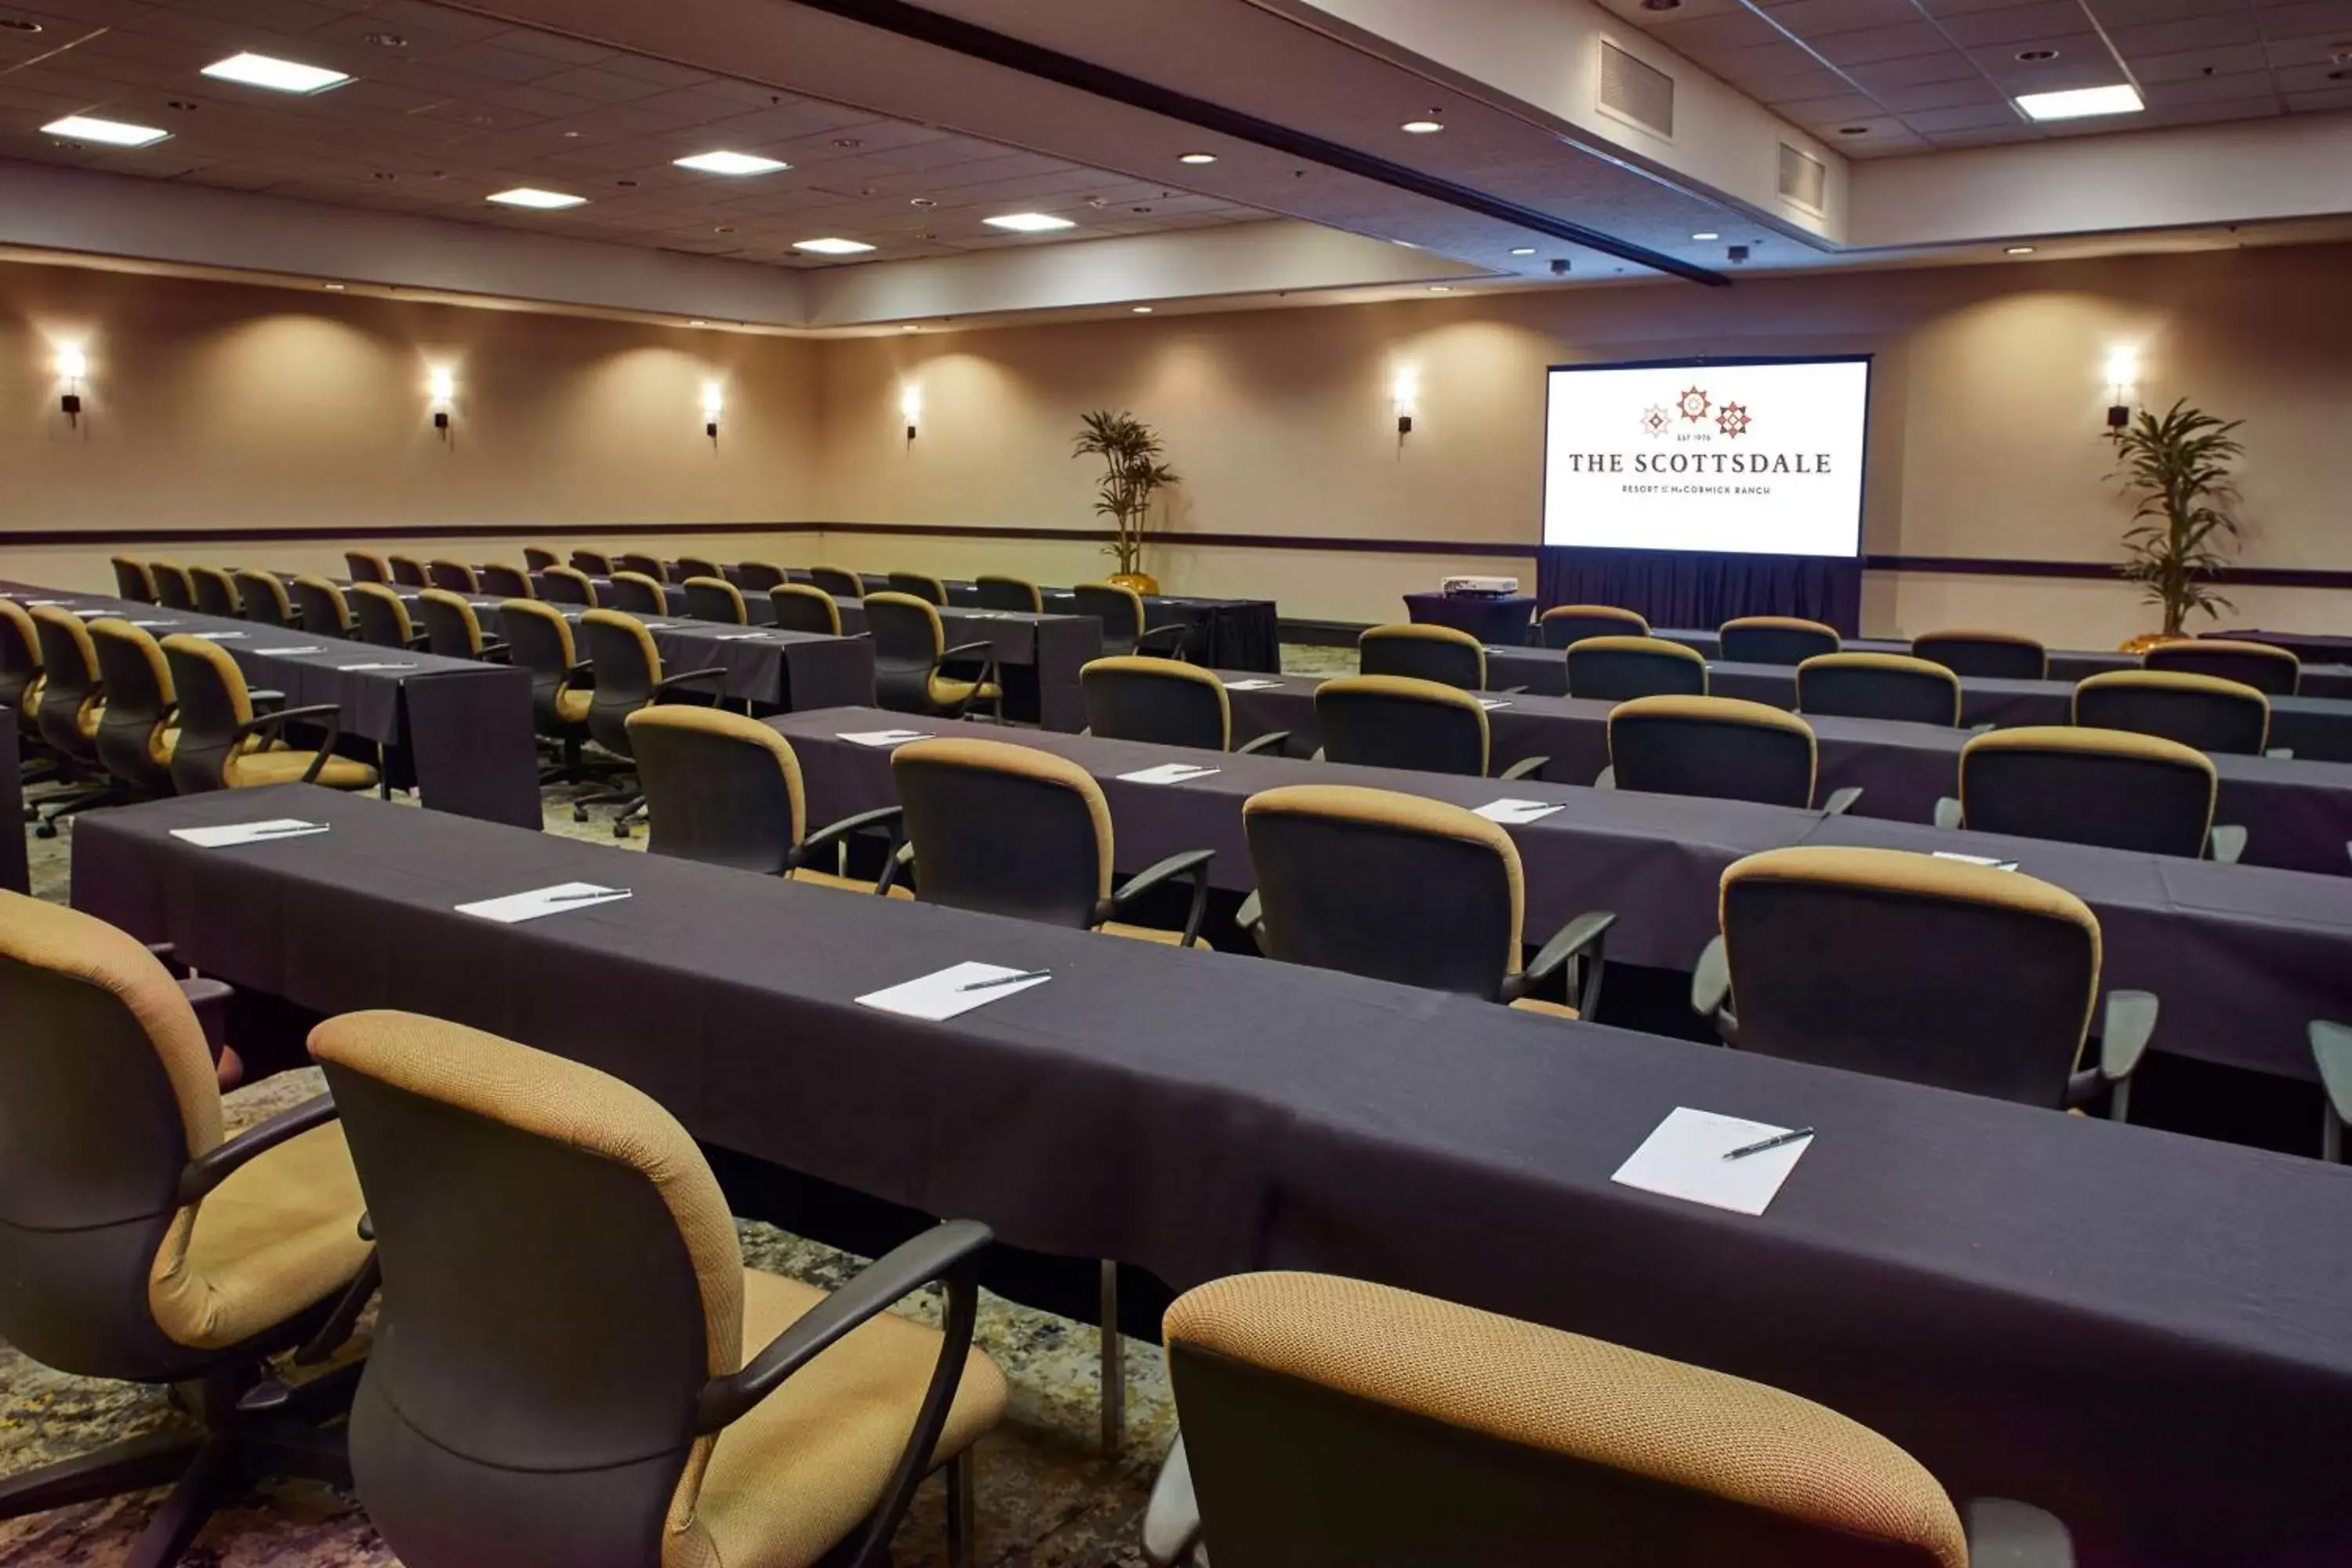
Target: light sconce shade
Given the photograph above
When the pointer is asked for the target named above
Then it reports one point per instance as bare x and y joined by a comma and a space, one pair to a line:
441, 386
72, 365
714, 401
1405, 392
2123, 376
911, 408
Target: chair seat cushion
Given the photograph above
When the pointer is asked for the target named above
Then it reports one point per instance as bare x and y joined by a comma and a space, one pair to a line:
572, 704
161, 744
287, 766
846, 884
277, 1238
804, 1468
1141, 933
1549, 1009
946, 691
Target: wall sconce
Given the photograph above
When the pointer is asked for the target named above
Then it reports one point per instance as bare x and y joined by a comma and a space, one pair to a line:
1405, 392
2123, 375
73, 365
442, 386
911, 408
714, 399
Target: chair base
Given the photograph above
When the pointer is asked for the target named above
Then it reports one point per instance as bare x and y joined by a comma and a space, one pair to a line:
55, 811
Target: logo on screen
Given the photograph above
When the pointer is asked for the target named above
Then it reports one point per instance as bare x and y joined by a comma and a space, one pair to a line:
1695, 406
1731, 419
1655, 421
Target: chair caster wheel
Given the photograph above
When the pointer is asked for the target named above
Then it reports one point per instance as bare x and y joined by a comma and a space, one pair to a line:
620, 830
46, 830
579, 813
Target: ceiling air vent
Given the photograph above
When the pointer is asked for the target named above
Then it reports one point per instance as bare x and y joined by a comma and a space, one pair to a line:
1804, 179
1640, 94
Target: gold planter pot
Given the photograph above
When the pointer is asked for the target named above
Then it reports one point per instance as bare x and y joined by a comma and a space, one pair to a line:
1142, 582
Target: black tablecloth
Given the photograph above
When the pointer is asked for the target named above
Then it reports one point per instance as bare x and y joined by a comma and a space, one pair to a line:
2331, 680
2143, 1332
13, 873
2243, 956
2312, 647
2298, 813
774, 669
1232, 634
1502, 620
1038, 656
466, 728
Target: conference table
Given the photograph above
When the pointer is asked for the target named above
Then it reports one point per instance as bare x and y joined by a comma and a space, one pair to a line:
2298, 813
15, 875
1232, 634
1505, 618
465, 728
2243, 956
2143, 1332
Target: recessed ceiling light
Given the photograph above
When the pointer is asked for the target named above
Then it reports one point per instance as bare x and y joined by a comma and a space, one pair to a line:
2036, 57
922, 202
830, 247
2019, 250
1141, 309
1707, 234
846, 142
276, 74
113, 133
1853, 129
1523, 250
722, 229
1029, 223
2080, 102
731, 163
1196, 157
184, 105
531, 197
1662, 4
20, 24
1421, 127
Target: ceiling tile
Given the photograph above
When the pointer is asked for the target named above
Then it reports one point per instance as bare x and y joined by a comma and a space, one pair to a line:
1918, 70
2187, 33
2207, 89
1836, 110
1883, 44
1940, 95
1968, 117
1986, 136
2339, 95
2131, 13
1813, 20
2307, 17
2201, 62
2012, 22
2226, 109
2083, 60
1702, 36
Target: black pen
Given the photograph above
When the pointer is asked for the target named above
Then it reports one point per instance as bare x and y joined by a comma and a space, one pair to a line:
592, 893
1776, 1141
1004, 980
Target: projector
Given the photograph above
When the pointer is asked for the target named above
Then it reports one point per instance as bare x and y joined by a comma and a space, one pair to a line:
1479, 588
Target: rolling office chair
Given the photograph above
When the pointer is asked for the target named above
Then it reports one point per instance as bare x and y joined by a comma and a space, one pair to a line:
574, 1366
1015, 594
629, 674
505, 582
224, 744
2331, 1047
1775, 639
2200, 711
1164, 703
366, 567
725, 790
1937, 972
1126, 628
716, 599
1992, 656
1009, 830
801, 608
325, 611
1419, 651
1615, 669
1718, 747
1396, 886
1878, 686
1331, 1423
591, 562
1390, 722
382, 618
133, 580
408, 571
758, 576
1565, 626
174, 589
266, 601
839, 582
2273, 671
567, 585
20, 665
644, 565
639, 593
139, 1246
922, 586
912, 660
216, 592
452, 576
687, 566
67, 710
539, 639
452, 629
136, 733
535, 558
2105, 787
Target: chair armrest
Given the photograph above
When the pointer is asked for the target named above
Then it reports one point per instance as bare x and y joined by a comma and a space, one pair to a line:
1606, 778
984, 651
944, 1252
1251, 918
2331, 1047
329, 714
2227, 843
2282, 754
1711, 978
580, 675
495, 652
1171, 637
216, 1165
1192, 861
421, 643
2005, 1534
1525, 767
834, 833
1171, 1522
1270, 741
900, 859
713, 672
1585, 934
1948, 813
1841, 801
1509, 691
2125, 1031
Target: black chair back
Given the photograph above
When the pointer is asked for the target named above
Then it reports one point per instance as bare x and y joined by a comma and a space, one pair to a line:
266, 600
538, 559
1423, 652
838, 582
1016, 594
690, 567
1120, 609
2273, 671
719, 788
366, 567
1392, 721
758, 576
1984, 656
451, 628
922, 586
408, 572
2200, 711
539, 639
72, 694
1775, 639
1158, 701
591, 562
1718, 747
325, 611
716, 599
383, 617
216, 592
801, 608
1617, 669
134, 581
567, 585
627, 668
174, 589
131, 733
909, 638
639, 595
1878, 686
1005, 830
506, 582
644, 565
2107, 787
20, 660
455, 576
1564, 625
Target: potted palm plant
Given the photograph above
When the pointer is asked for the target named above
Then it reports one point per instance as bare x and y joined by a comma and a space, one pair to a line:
1132, 473
2176, 467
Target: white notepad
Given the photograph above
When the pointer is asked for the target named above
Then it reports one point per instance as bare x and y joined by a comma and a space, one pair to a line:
150, 625
217, 636
560, 899
355, 668
940, 997
91, 615
883, 737
1683, 1158
1167, 774
235, 833
1516, 813
1996, 864
306, 647
659, 626
740, 636
1250, 685
1491, 703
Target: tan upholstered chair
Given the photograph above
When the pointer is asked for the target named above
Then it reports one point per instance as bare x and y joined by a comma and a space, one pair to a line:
911, 660
1966, 977
537, 558
382, 616
639, 593
174, 589
1329, 1423
2107, 787
408, 571
366, 567
224, 744
1126, 621
20, 663
638, 563
1400, 888
629, 675
1878, 686
1991, 656
133, 580
800, 608
1015, 594
139, 1244
586, 1371
1775, 639
1616, 669
264, 598
725, 790
2270, 670
839, 581
325, 611
1718, 747
716, 599
506, 582
453, 576
591, 562
690, 566
137, 733
1166, 702
452, 629
758, 576
1564, 625
568, 585
1011, 830
539, 639
1393, 722
2200, 711
216, 593
1417, 651
68, 705
922, 586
